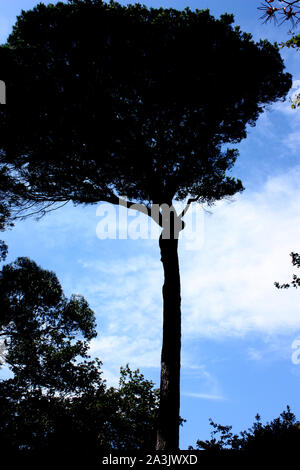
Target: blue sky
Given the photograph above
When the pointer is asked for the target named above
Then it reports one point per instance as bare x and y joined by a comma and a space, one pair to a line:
238, 329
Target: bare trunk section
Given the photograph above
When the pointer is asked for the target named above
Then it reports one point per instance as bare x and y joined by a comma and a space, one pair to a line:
168, 426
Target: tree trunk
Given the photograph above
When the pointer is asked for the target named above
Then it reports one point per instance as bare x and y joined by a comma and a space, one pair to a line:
168, 425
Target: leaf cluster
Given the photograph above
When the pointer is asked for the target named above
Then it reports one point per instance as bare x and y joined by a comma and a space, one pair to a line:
280, 434
105, 100
40, 326
56, 400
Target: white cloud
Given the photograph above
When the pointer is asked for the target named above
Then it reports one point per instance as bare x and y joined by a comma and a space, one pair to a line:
138, 352
292, 141
205, 396
132, 265
228, 286
254, 354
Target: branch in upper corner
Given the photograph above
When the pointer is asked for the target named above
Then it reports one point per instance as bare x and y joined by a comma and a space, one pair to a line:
296, 280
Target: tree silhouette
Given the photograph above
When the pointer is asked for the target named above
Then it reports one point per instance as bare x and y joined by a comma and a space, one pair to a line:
49, 363
39, 325
12, 202
5, 204
135, 412
107, 101
282, 434
56, 401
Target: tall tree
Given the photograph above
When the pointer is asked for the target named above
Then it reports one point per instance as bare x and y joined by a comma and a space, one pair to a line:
107, 101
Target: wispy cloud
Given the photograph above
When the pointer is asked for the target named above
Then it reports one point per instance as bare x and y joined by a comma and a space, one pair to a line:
227, 285
138, 352
203, 396
254, 354
292, 141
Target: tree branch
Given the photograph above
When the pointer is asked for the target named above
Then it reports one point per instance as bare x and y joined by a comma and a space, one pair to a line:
188, 206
